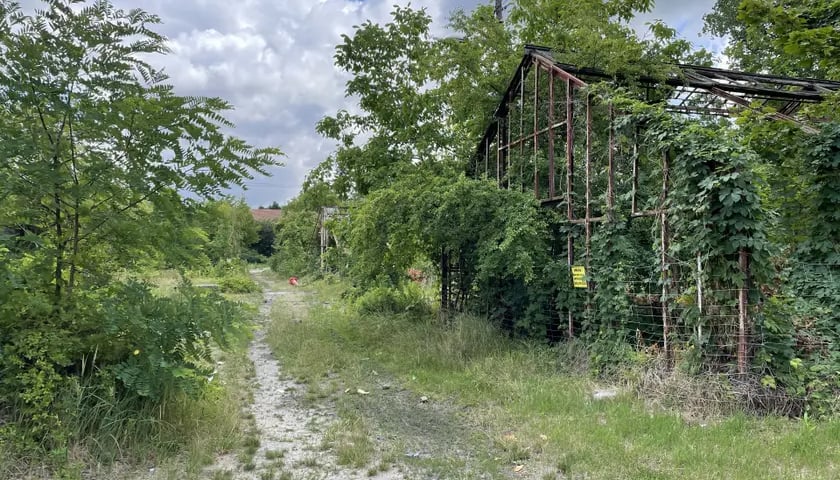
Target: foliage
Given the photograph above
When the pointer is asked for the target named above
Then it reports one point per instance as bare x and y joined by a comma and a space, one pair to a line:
238, 283
163, 345
411, 222
757, 189
400, 113
97, 149
407, 299
230, 227
798, 38
263, 247
296, 247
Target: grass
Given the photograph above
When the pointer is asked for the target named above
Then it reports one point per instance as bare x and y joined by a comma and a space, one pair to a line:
350, 439
528, 408
179, 437
113, 437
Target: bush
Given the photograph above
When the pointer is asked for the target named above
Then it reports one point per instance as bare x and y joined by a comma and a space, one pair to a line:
238, 283
382, 300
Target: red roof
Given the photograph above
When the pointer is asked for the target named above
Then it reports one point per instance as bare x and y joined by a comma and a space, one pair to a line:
266, 214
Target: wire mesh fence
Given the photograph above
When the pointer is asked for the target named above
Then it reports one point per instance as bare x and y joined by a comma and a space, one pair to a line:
686, 331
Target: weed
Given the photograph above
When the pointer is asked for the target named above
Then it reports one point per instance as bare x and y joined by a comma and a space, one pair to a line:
222, 475
350, 439
274, 454
310, 462
543, 394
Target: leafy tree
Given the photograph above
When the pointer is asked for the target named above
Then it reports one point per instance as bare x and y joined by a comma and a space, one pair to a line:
783, 37
96, 148
296, 244
391, 67
231, 229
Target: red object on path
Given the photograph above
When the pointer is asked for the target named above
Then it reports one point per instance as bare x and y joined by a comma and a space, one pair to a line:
293, 281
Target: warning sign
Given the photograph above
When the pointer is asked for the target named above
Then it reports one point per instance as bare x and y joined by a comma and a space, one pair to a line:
579, 276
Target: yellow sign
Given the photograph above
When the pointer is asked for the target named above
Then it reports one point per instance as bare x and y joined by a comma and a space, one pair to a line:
579, 277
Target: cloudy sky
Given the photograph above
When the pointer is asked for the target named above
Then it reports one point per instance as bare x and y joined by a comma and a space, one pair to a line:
272, 59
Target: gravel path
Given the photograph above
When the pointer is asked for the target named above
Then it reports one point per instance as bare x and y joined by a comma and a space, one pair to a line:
290, 430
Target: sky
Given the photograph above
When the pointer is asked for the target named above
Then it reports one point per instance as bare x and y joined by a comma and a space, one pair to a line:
272, 59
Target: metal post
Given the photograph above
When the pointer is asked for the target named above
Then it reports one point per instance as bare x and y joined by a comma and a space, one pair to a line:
743, 262
633, 201
522, 129
611, 168
499, 152
486, 153
444, 280
570, 174
666, 312
699, 296
551, 170
536, 128
588, 214
507, 151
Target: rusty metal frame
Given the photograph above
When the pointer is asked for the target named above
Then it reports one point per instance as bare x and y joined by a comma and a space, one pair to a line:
691, 89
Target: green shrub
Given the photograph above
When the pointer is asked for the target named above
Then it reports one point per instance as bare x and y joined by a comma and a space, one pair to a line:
382, 300
165, 342
238, 283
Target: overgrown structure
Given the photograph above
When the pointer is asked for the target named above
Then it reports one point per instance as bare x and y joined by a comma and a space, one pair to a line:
552, 114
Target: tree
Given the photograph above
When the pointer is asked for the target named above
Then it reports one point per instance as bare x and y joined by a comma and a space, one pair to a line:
782, 37
93, 137
95, 151
230, 227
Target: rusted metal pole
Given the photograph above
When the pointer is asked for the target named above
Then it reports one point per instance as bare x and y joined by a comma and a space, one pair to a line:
444, 280
634, 207
665, 268
588, 214
486, 154
499, 152
743, 262
551, 169
536, 127
570, 175
699, 297
508, 155
570, 149
521, 129
611, 168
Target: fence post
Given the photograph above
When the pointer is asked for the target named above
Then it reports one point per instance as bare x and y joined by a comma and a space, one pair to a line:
743, 263
666, 313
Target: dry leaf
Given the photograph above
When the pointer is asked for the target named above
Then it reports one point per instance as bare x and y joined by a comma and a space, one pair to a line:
518, 468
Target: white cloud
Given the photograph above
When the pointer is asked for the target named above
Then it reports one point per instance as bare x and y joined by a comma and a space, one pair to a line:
273, 60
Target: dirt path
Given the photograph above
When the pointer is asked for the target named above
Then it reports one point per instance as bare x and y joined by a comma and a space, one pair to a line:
288, 433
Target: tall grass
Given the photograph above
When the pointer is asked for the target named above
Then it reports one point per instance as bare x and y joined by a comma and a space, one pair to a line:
537, 406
